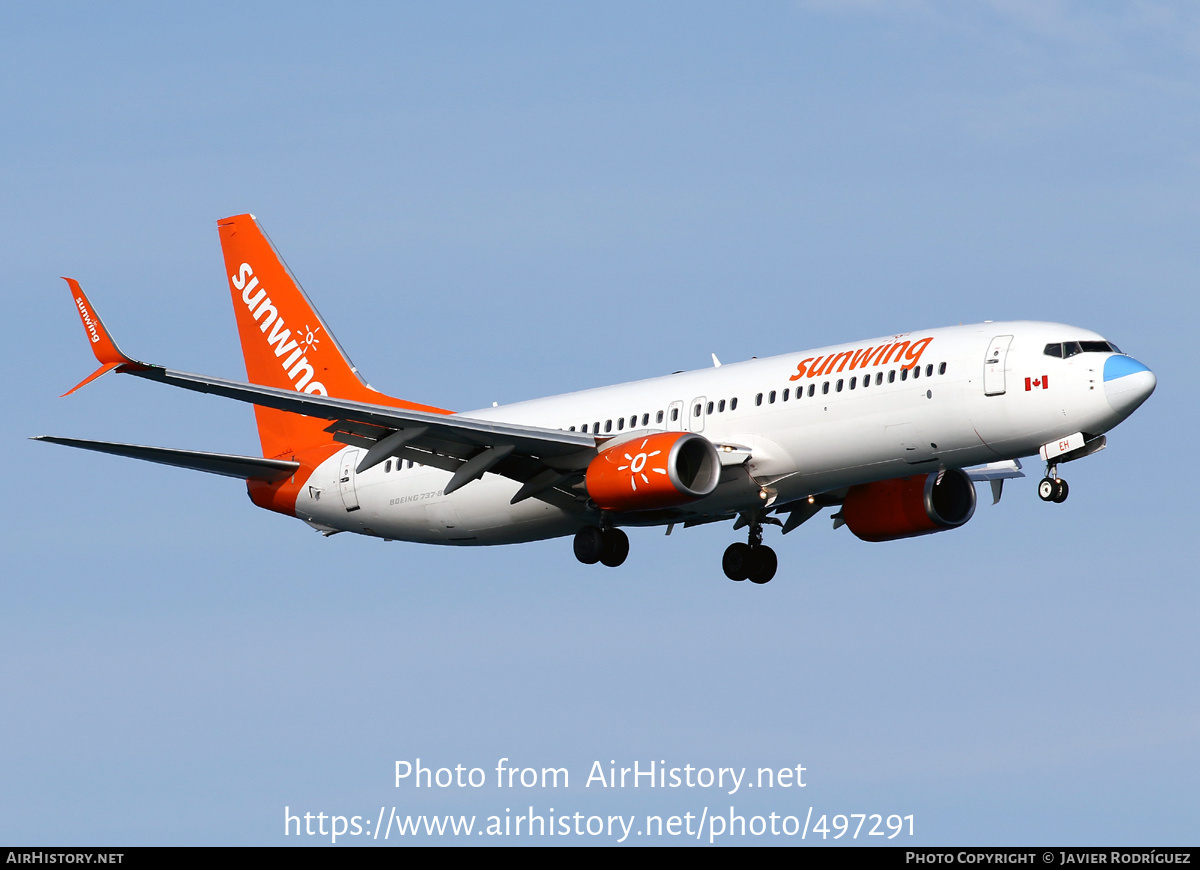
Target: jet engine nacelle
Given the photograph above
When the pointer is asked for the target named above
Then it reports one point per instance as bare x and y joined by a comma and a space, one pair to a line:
905, 507
663, 470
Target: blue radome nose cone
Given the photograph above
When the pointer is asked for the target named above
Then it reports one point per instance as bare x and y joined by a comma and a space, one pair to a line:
1127, 383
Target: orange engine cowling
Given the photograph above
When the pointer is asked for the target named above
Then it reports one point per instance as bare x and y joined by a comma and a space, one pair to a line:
656, 471
905, 507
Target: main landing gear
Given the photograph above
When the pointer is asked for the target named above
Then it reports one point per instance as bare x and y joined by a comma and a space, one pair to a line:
1052, 487
752, 560
609, 546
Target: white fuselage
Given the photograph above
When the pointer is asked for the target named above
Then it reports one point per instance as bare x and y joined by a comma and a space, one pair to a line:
964, 401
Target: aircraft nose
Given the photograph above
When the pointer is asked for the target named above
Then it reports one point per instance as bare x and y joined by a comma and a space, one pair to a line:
1127, 383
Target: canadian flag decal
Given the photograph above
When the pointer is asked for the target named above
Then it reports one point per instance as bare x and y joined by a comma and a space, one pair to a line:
1042, 383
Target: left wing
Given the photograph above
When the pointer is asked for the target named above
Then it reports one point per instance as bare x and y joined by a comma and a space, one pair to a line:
543, 459
547, 462
229, 465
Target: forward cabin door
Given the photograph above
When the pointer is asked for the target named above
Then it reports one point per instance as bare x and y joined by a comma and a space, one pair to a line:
675, 416
994, 364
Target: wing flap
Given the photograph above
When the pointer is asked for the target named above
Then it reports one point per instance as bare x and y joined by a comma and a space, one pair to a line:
1006, 470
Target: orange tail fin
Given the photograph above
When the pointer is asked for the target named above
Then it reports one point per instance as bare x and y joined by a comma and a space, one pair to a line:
285, 342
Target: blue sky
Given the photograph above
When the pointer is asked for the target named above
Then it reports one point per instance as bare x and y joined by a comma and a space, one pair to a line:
496, 202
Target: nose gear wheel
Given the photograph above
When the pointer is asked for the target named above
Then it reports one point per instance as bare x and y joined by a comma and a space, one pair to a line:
1052, 487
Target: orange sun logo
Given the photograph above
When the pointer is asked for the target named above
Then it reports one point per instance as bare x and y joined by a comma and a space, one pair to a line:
637, 465
310, 337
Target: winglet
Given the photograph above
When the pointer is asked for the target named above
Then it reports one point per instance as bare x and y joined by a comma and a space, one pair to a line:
107, 353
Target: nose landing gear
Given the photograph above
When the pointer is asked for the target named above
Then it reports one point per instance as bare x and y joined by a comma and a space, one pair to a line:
1052, 487
752, 560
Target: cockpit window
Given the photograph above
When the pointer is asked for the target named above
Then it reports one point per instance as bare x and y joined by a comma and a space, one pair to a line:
1070, 348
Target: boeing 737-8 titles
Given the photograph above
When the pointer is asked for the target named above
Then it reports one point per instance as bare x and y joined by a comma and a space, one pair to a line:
893, 432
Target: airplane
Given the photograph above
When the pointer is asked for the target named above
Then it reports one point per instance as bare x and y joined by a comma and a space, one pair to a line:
893, 432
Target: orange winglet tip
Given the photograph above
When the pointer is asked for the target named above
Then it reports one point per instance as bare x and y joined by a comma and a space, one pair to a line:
107, 353
104, 369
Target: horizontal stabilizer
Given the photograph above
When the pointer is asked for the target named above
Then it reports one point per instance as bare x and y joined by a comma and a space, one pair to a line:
229, 465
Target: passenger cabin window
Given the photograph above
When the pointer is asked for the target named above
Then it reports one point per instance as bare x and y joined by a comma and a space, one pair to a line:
852, 382
387, 466
942, 369
812, 388
721, 406
658, 417
620, 423
929, 370
710, 407
892, 376
758, 399
646, 419
839, 384
608, 425
733, 404
771, 397
825, 388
